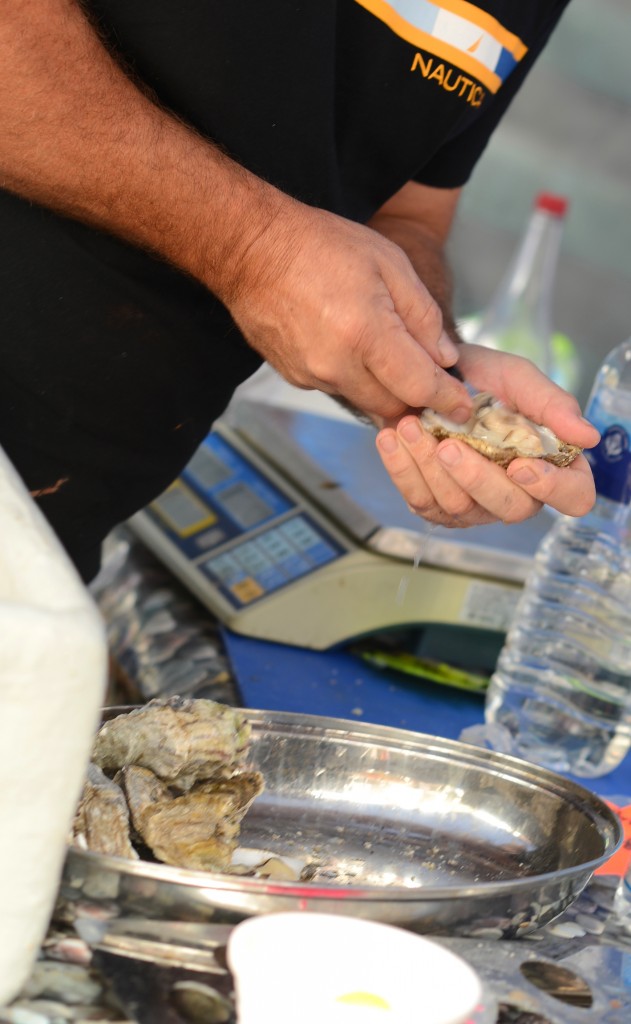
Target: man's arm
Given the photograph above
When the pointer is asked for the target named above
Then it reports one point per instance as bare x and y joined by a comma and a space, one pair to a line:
77, 135
331, 304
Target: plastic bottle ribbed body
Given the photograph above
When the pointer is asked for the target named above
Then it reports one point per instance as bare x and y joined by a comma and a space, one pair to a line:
562, 685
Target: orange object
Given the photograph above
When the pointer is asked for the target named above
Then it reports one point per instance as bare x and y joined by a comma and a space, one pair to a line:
620, 863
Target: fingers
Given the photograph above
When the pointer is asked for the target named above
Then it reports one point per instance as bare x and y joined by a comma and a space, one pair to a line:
523, 387
407, 370
518, 493
570, 491
391, 375
401, 341
367, 396
452, 484
409, 456
419, 313
487, 483
410, 359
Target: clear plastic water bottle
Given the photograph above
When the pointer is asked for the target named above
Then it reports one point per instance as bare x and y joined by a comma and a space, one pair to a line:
519, 315
562, 685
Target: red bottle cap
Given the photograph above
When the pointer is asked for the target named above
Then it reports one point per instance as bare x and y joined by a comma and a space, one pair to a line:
551, 203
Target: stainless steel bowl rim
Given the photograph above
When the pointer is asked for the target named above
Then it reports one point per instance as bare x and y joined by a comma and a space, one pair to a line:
503, 764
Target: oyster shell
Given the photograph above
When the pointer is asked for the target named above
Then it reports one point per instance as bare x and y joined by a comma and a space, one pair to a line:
198, 829
102, 819
180, 787
181, 740
501, 434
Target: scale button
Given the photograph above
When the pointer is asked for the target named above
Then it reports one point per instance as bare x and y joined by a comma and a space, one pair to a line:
271, 579
321, 553
247, 590
225, 568
210, 539
294, 566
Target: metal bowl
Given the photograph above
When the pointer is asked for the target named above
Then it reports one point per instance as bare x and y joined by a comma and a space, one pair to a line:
422, 832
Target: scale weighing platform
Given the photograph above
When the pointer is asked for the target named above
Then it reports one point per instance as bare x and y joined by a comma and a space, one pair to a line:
287, 527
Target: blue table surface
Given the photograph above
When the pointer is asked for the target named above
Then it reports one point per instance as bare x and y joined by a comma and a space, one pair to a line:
338, 684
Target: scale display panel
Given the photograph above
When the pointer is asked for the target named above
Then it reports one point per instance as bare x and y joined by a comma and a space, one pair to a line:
230, 523
277, 541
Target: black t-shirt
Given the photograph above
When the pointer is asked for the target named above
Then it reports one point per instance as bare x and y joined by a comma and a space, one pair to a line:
113, 365
338, 102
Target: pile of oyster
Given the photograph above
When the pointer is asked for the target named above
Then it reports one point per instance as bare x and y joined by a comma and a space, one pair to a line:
501, 434
168, 781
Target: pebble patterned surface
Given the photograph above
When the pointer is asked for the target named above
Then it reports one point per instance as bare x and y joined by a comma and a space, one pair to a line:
67, 985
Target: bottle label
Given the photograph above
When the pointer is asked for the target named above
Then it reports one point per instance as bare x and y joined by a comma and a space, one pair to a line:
610, 461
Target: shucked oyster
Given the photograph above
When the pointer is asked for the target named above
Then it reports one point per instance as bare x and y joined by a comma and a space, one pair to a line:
500, 434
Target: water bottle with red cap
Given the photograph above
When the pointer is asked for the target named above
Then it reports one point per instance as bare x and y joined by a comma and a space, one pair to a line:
519, 316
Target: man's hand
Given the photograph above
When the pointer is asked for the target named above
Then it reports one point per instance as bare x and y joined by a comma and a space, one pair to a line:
451, 484
336, 306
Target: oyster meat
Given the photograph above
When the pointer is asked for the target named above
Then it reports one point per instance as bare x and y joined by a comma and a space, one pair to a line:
501, 434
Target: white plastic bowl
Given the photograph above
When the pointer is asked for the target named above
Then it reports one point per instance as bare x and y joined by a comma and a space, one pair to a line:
340, 970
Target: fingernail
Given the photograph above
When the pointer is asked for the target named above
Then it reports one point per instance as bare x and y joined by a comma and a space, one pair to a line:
410, 431
524, 476
388, 443
447, 349
461, 414
450, 455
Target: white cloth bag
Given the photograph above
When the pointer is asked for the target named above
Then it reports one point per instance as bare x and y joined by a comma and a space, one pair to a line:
53, 668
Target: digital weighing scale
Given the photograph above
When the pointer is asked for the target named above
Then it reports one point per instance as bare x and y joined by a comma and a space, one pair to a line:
287, 527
